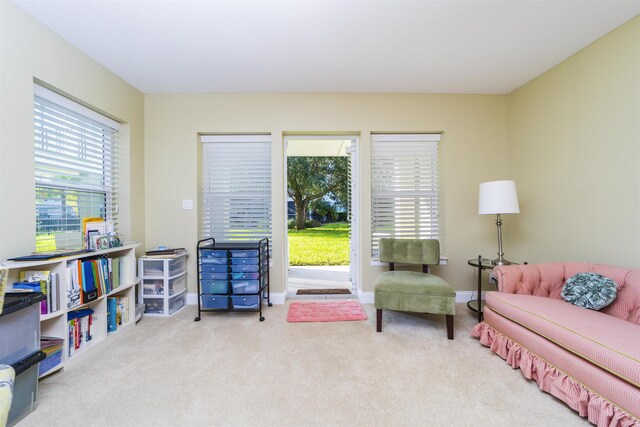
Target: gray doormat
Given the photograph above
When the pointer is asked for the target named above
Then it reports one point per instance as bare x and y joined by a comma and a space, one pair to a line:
323, 291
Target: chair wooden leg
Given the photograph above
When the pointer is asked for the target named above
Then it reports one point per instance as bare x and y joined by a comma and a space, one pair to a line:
449, 326
379, 320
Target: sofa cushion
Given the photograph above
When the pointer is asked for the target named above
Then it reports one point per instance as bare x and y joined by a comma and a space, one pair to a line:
609, 342
589, 290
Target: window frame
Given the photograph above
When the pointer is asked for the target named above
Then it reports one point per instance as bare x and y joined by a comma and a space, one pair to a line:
76, 167
395, 158
253, 189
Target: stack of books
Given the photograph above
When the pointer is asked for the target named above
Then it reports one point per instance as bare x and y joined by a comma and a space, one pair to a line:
52, 347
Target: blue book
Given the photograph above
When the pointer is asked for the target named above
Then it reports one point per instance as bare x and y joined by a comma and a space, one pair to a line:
27, 286
87, 276
112, 308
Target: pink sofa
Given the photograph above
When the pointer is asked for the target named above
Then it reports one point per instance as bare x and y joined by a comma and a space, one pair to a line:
588, 359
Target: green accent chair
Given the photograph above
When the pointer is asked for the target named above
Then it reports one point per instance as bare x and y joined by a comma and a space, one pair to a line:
413, 291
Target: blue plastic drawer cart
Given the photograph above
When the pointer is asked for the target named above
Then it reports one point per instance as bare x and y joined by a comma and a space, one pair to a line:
232, 276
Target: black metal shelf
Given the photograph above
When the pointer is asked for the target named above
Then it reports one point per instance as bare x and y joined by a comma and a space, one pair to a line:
227, 300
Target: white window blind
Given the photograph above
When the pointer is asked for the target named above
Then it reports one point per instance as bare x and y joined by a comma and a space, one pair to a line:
236, 187
404, 187
75, 169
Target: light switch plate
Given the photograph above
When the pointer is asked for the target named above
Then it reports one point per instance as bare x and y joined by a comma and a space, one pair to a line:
187, 204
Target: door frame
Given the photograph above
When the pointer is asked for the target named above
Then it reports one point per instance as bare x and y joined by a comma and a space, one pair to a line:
354, 240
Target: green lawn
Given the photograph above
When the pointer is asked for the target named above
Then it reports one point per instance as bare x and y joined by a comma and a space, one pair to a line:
46, 243
324, 245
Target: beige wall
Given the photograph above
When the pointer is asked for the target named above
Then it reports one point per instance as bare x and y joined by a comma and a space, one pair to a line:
574, 151
473, 150
28, 50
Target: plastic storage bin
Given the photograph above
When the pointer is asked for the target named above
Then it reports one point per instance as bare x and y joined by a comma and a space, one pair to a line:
151, 287
213, 253
177, 266
154, 306
215, 261
244, 268
214, 276
245, 286
155, 267
245, 302
244, 254
25, 387
177, 303
244, 261
214, 286
211, 301
244, 276
214, 268
19, 326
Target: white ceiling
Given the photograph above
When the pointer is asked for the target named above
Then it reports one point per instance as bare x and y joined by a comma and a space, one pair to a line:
435, 46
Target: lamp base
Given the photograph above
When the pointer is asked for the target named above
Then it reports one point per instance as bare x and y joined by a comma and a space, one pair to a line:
500, 261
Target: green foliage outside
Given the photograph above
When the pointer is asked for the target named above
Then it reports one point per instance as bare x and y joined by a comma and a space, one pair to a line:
324, 245
310, 179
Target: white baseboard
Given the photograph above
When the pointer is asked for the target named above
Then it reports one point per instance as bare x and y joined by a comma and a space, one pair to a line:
276, 298
461, 296
365, 297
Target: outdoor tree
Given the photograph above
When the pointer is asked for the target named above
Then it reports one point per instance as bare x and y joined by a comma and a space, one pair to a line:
311, 178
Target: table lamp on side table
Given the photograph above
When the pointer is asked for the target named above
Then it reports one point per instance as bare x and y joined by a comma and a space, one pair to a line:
498, 197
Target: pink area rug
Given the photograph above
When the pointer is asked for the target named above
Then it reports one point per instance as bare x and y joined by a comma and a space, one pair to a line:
334, 311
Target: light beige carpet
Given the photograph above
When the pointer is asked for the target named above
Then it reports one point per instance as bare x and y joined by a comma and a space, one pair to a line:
230, 369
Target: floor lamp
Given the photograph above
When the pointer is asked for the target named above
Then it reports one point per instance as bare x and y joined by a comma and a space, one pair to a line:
497, 198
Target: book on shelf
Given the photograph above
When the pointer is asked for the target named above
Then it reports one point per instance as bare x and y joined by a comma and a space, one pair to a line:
52, 348
122, 313
79, 322
40, 281
89, 279
112, 304
117, 312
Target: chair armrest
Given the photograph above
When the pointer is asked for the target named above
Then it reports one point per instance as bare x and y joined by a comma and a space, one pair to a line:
533, 279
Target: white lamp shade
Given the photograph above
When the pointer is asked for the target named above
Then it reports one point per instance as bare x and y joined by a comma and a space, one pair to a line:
498, 197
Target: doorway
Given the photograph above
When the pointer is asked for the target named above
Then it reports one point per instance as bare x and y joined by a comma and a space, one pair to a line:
321, 200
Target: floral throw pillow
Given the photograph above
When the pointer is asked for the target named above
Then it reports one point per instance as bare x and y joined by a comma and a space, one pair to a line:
589, 290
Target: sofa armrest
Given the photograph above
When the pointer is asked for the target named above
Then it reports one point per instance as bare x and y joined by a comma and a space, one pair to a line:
533, 279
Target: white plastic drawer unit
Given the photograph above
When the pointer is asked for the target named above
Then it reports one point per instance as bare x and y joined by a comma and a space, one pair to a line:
164, 283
